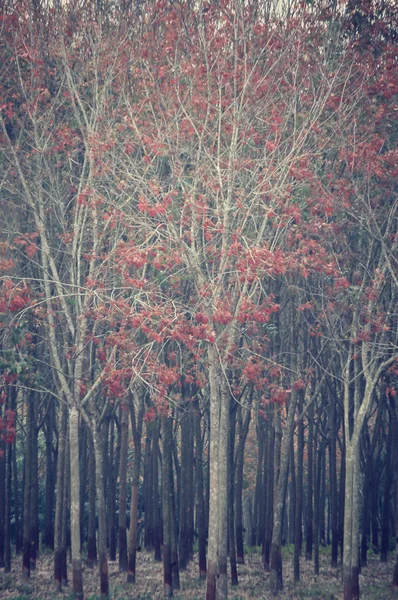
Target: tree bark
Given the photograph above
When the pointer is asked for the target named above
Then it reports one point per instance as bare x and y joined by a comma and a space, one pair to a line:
136, 426
101, 510
59, 549
77, 575
124, 441
276, 577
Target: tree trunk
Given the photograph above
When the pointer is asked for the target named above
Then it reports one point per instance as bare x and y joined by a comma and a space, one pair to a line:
200, 509
58, 546
77, 576
156, 503
270, 480
167, 492
276, 578
216, 586
231, 492
148, 490
298, 520
333, 481
351, 525
259, 489
243, 429
27, 497
48, 538
91, 528
124, 441
310, 470
7, 499
101, 510
136, 426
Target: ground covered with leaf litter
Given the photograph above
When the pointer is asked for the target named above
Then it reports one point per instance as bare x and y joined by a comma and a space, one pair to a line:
375, 581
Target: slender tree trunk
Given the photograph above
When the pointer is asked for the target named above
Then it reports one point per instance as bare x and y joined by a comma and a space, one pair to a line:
333, 482
351, 525
259, 489
385, 514
113, 473
174, 530
34, 521
276, 578
48, 538
58, 547
244, 421
17, 504
231, 492
270, 480
7, 499
167, 492
101, 510
65, 533
148, 490
77, 576
217, 549
156, 507
27, 497
84, 463
136, 425
124, 441
91, 528
200, 508
298, 521
310, 470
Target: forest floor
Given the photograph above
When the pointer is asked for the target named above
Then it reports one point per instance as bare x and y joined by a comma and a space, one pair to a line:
375, 581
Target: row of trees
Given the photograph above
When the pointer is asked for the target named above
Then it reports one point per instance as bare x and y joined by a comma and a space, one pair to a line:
200, 235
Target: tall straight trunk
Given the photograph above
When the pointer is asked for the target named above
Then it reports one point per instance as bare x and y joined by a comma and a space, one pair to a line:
174, 529
77, 575
101, 509
298, 517
216, 586
167, 492
310, 491
136, 426
270, 478
258, 490
91, 528
351, 525
199, 490
34, 521
65, 533
17, 503
184, 499
113, 474
231, 492
58, 546
333, 481
365, 512
394, 408
27, 497
148, 490
2, 495
317, 502
156, 511
122, 523
7, 504
322, 501
276, 578
84, 463
292, 494
191, 485
385, 513
48, 538
243, 429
